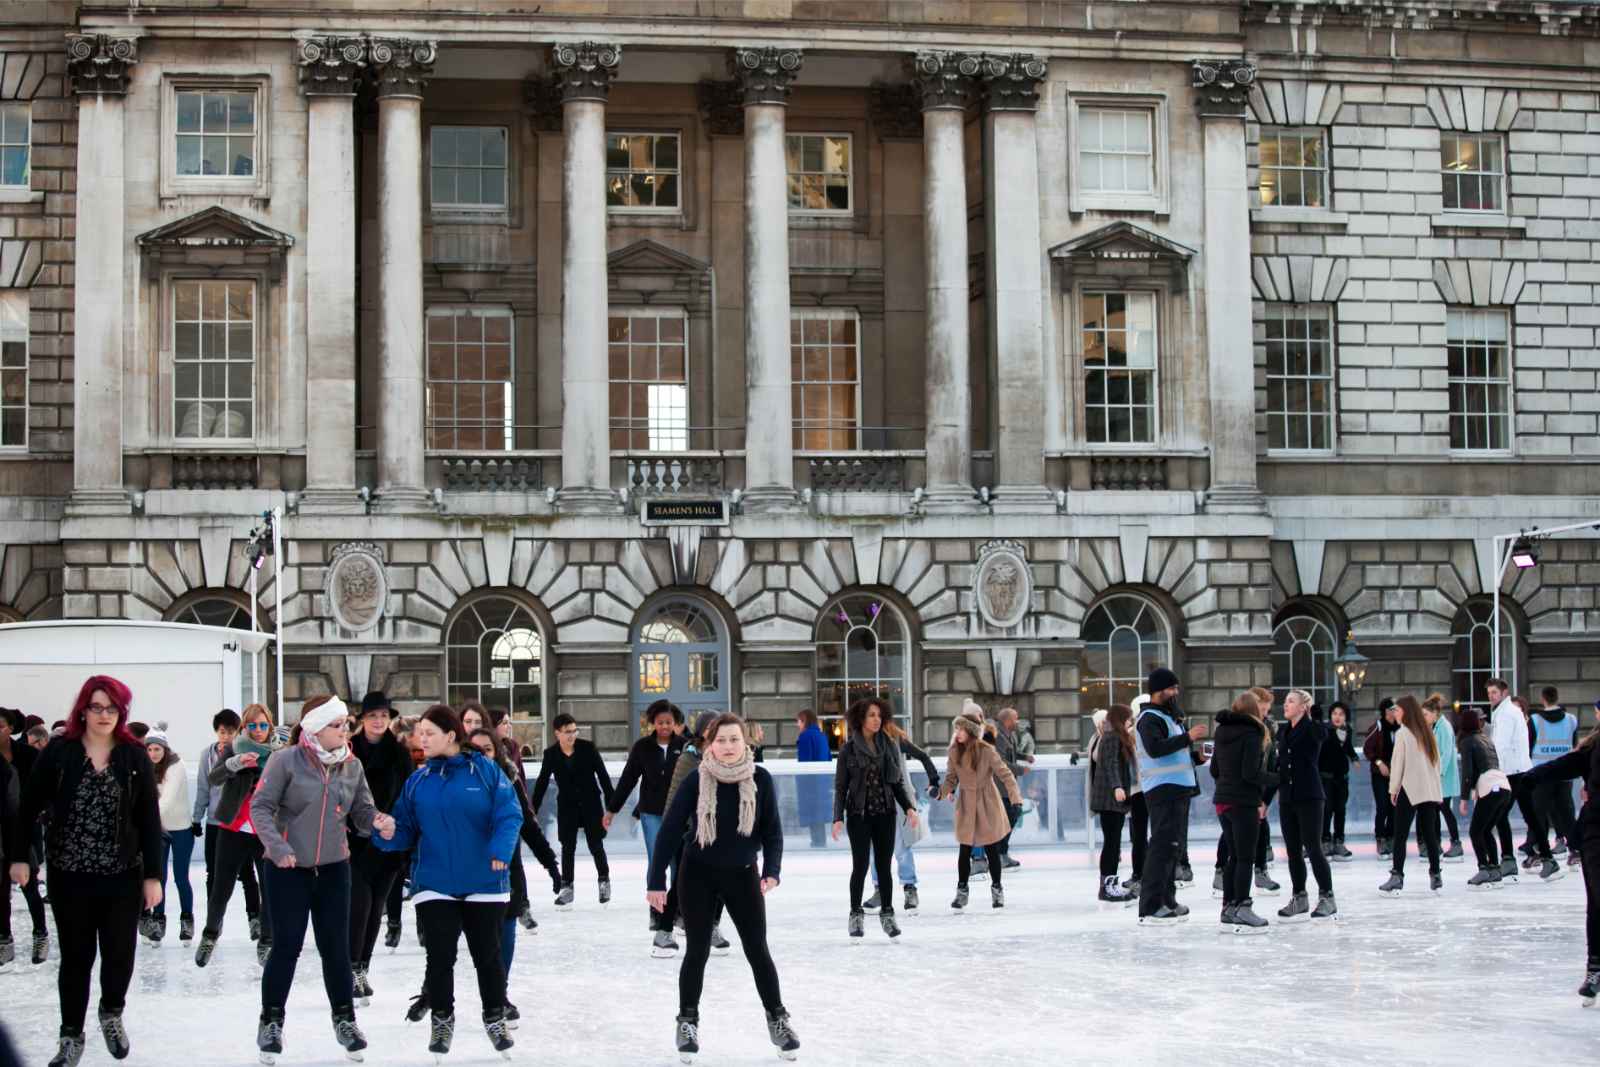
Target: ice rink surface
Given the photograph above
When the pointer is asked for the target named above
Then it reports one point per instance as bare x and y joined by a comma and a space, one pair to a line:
1052, 980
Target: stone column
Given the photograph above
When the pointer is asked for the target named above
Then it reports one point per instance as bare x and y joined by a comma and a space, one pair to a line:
329, 71
944, 82
1014, 279
401, 68
583, 74
763, 76
98, 66
1223, 86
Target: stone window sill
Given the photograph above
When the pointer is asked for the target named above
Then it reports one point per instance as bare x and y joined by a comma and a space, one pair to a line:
451, 217
16, 194
1300, 215
1479, 224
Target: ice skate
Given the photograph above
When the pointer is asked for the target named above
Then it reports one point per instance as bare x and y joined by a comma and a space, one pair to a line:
525, 917
1162, 916
499, 1034
997, 897
418, 1008
1453, 854
1325, 909
1383, 848
1508, 871
512, 1016
1219, 883
1132, 886
348, 1034
909, 893
41, 948
858, 925
208, 945
1340, 854
564, 898
1298, 910
1531, 862
1246, 921
1486, 878
1394, 886
362, 988
115, 1033
605, 890
872, 903
1435, 882
1181, 911
960, 901
69, 1049
688, 1036
186, 928
158, 927
663, 947
147, 931
1588, 991
980, 869
783, 1035
1225, 921
1007, 863
1112, 893
887, 921
1265, 885
719, 944
391, 936
1550, 871
1183, 876
444, 1031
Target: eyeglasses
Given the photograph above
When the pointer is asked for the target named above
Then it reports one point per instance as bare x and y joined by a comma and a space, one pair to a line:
96, 709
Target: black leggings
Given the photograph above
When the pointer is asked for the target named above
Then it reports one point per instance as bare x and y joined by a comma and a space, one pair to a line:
1382, 809
1111, 848
395, 905
30, 893
1138, 831
964, 863
1263, 846
1553, 802
871, 839
701, 889
101, 913
1240, 825
594, 833
1427, 816
319, 896
1338, 791
1538, 832
442, 923
1486, 816
373, 873
235, 851
1590, 851
1301, 822
1449, 815
246, 874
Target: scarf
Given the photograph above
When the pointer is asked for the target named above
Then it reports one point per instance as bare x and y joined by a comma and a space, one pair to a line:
318, 719
243, 746
713, 772
309, 741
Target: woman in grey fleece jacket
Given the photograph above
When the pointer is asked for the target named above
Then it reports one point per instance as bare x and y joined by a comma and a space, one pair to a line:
308, 793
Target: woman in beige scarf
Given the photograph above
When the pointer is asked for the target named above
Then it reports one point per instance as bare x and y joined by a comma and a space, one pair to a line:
721, 818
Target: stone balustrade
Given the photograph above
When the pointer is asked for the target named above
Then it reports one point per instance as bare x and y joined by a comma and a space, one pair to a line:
1128, 472
493, 474
677, 474
215, 472
858, 474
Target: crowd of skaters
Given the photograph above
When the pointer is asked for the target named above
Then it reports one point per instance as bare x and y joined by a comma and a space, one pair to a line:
329, 825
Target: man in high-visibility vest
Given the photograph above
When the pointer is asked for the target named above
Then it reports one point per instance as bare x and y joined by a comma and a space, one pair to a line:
1166, 775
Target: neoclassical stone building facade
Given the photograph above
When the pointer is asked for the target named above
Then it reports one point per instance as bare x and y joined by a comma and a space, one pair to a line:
763, 355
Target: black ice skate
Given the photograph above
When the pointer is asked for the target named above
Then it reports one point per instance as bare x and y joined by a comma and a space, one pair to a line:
255, 927
1338, 853
887, 921
858, 925
1112, 893
391, 936
605, 890
564, 898
348, 1034
513, 1017
1588, 991
1162, 916
1219, 883
208, 945
1453, 854
444, 1031
872, 903
115, 1033
418, 1008
687, 1033
1183, 876
1394, 886
186, 928
719, 944
997, 896
1550, 871
494, 1024
961, 898
1435, 882
41, 948
527, 920
263, 950
69, 1049
362, 987
1298, 910
1508, 871
910, 895
782, 1035
664, 947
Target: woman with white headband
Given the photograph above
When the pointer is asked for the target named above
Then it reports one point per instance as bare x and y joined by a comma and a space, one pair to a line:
308, 793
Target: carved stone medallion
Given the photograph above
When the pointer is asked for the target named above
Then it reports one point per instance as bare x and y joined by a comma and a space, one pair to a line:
357, 586
1003, 584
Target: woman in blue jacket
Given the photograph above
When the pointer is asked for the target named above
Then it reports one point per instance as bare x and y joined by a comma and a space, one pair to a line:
461, 816
814, 792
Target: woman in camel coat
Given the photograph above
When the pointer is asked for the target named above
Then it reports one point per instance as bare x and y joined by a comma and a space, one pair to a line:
981, 822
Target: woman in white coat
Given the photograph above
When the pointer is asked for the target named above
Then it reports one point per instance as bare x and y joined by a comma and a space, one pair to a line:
177, 839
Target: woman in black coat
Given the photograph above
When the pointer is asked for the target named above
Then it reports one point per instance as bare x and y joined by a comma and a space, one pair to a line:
1338, 756
1583, 762
583, 792
1239, 764
1300, 800
868, 781
104, 854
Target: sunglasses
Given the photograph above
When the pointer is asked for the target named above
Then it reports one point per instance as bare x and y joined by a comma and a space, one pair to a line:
258, 726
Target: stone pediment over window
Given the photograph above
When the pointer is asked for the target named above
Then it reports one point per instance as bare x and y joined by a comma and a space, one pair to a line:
1122, 241
216, 237
649, 272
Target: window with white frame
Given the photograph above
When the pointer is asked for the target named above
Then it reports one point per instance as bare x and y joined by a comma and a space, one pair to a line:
1118, 332
214, 359
16, 134
216, 133
642, 171
1474, 171
1299, 346
1294, 167
467, 168
863, 650
825, 367
1125, 637
1302, 658
1478, 360
1115, 150
470, 379
1472, 660
819, 172
13, 368
649, 362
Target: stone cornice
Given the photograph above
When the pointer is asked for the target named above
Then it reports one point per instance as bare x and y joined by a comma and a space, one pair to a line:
1011, 81
330, 66
1223, 86
584, 71
945, 80
1555, 18
765, 74
98, 63
401, 66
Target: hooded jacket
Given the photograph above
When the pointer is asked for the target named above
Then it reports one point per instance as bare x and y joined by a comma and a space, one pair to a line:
459, 813
1239, 761
301, 804
54, 782
981, 818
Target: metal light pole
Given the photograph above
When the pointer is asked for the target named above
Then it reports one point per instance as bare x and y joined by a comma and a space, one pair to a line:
277, 595
1503, 547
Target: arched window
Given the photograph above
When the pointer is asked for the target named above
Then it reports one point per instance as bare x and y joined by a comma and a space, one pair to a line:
1472, 660
1125, 637
679, 654
862, 651
1302, 658
494, 654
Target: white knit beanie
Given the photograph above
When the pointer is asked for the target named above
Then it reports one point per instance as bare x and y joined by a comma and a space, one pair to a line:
972, 709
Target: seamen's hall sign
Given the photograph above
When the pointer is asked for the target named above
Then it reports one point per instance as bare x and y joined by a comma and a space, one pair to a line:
688, 512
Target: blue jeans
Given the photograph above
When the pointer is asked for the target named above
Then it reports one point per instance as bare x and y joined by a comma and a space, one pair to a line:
905, 860
177, 850
650, 825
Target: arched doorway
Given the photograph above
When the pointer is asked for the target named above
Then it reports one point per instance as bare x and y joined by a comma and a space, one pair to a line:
680, 653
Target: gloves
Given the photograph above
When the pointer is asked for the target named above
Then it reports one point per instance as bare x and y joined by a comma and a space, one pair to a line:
196, 830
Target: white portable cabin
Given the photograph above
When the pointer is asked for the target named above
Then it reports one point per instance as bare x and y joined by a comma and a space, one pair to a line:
180, 674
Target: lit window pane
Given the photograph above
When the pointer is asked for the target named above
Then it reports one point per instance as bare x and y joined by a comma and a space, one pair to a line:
819, 172
642, 171
470, 380
649, 365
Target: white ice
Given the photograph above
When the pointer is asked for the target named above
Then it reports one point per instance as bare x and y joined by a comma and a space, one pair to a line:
1452, 979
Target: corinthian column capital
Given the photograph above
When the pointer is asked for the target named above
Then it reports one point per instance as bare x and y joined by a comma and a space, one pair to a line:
1223, 86
584, 71
330, 66
1011, 82
765, 74
945, 80
401, 66
98, 63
